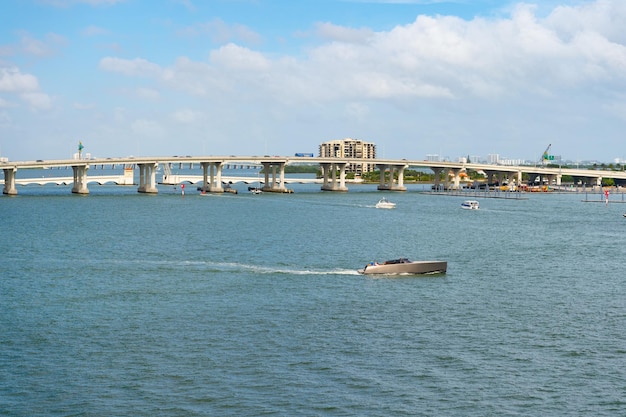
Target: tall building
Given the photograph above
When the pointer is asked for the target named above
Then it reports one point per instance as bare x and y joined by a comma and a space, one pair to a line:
493, 158
350, 148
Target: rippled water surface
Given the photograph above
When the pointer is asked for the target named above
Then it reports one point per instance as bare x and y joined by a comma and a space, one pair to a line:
119, 303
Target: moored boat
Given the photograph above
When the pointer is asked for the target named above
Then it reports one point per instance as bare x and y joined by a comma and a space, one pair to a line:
405, 266
470, 205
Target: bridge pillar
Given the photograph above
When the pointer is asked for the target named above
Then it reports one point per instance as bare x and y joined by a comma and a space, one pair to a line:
212, 177
490, 174
129, 177
147, 178
437, 181
329, 173
9, 181
501, 177
80, 179
274, 185
389, 182
400, 186
457, 178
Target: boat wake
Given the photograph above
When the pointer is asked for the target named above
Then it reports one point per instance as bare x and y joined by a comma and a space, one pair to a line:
269, 269
233, 267
236, 267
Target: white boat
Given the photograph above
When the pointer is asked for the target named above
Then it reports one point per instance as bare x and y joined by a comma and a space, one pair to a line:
385, 204
470, 205
405, 267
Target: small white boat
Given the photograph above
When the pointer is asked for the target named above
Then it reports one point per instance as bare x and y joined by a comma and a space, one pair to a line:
470, 205
385, 204
405, 267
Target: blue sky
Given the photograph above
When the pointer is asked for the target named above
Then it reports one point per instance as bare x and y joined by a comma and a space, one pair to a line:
255, 77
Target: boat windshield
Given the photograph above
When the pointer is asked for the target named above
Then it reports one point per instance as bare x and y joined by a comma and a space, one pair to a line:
398, 261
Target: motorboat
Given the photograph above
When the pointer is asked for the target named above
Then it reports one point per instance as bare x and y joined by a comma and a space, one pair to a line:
470, 205
405, 267
258, 189
385, 204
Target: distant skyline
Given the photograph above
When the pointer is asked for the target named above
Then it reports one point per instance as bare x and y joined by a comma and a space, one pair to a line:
254, 77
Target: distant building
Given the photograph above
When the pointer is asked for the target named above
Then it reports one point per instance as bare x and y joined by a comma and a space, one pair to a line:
493, 158
350, 148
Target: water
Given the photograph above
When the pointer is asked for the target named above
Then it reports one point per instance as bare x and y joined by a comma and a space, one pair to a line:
119, 303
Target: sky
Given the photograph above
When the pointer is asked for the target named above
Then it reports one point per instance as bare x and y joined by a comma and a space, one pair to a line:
274, 77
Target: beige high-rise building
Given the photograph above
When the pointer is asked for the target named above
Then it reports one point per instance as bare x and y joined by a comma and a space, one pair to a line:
350, 148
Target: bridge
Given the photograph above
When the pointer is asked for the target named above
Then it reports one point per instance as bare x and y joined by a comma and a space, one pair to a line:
333, 172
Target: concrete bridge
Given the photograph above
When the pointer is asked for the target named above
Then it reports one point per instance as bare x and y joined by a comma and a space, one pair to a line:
333, 171
124, 179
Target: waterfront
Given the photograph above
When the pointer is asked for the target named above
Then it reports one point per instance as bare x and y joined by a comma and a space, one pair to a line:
120, 303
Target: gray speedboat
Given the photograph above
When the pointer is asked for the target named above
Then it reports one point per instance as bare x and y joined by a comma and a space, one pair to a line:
405, 266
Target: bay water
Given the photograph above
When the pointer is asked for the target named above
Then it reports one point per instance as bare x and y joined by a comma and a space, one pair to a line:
120, 303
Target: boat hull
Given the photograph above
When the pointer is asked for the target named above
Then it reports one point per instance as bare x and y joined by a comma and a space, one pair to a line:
409, 268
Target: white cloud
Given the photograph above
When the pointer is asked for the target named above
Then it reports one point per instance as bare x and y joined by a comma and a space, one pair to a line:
47, 46
441, 56
233, 57
37, 100
93, 30
195, 78
443, 79
221, 32
134, 67
84, 106
148, 94
13, 80
330, 31
186, 116
358, 111
26, 86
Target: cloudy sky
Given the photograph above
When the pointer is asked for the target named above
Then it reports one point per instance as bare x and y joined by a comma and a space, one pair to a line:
254, 77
